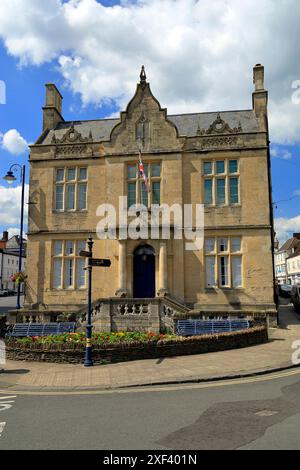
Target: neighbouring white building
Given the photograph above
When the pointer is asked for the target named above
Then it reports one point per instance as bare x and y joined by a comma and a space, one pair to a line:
9, 265
282, 255
9, 260
293, 267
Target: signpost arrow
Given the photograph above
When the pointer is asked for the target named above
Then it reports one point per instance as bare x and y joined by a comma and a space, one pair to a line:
105, 263
86, 254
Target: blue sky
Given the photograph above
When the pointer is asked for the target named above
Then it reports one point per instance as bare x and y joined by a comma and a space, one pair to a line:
93, 52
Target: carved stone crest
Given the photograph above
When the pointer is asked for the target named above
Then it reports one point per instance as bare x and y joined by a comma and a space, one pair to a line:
219, 126
72, 136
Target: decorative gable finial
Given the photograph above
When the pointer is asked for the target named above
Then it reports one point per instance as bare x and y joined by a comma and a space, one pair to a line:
143, 76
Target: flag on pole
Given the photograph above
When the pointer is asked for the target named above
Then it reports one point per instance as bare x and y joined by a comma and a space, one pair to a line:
142, 171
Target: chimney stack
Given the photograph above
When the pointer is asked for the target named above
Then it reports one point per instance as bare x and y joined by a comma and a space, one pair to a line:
5, 236
260, 95
53, 107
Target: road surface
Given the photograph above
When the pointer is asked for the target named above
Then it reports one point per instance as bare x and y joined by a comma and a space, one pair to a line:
9, 303
253, 413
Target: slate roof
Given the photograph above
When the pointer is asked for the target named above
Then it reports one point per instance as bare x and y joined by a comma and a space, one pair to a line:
289, 244
187, 125
296, 252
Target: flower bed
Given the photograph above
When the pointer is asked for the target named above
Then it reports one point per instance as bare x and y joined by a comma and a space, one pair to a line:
119, 347
98, 339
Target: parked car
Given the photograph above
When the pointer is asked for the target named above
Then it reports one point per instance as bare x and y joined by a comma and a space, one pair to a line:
3, 293
12, 292
285, 290
296, 298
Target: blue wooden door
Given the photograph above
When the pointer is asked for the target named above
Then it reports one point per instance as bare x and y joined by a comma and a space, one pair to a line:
144, 274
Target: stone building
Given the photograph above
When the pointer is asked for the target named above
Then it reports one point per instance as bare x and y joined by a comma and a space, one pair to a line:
218, 159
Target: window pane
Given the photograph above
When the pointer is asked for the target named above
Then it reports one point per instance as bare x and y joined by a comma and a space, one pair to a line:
207, 168
131, 171
69, 263
223, 271
235, 244
234, 190
220, 190
208, 192
209, 245
59, 198
210, 271
236, 271
57, 264
233, 166
58, 248
80, 273
69, 248
71, 174
156, 193
71, 196
131, 194
220, 167
155, 168
144, 195
82, 174
223, 244
80, 245
81, 196
60, 174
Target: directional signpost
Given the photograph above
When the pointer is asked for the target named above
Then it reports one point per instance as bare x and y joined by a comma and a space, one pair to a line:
104, 263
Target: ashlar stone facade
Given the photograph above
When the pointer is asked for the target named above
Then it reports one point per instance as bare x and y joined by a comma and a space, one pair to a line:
217, 159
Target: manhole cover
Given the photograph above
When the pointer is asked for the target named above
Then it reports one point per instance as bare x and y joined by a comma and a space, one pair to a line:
266, 413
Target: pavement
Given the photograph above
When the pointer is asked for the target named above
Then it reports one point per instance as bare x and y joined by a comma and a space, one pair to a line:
265, 358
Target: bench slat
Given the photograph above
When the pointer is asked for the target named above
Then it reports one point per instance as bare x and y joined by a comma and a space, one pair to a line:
199, 327
41, 329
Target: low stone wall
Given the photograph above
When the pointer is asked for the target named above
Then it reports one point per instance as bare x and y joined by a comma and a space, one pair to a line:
128, 352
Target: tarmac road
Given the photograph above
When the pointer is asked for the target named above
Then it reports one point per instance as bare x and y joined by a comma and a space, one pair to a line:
9, 303
254, 413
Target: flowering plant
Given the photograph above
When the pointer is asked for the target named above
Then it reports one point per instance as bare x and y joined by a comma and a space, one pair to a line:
99, 338
18, 277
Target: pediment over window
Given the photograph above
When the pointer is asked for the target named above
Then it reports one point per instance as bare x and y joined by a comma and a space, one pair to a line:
72, 136
219, 126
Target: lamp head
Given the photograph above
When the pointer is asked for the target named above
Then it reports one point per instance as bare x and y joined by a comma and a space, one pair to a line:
10, 177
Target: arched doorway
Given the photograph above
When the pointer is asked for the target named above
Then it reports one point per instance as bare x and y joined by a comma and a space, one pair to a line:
144, 272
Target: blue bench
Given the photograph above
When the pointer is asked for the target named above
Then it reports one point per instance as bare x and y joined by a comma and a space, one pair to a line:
208, 327
41, 329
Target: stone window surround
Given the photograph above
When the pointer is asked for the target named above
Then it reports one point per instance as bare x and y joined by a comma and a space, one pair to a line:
64, 256
214, 176
65, 183
139, 179
217, 254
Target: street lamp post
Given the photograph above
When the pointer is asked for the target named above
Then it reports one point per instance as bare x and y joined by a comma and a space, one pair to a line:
10, 178
88, 362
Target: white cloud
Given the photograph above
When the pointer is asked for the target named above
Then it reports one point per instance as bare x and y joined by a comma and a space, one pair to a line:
13, 142
198, 54
278, 152
10, 206
285, 227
